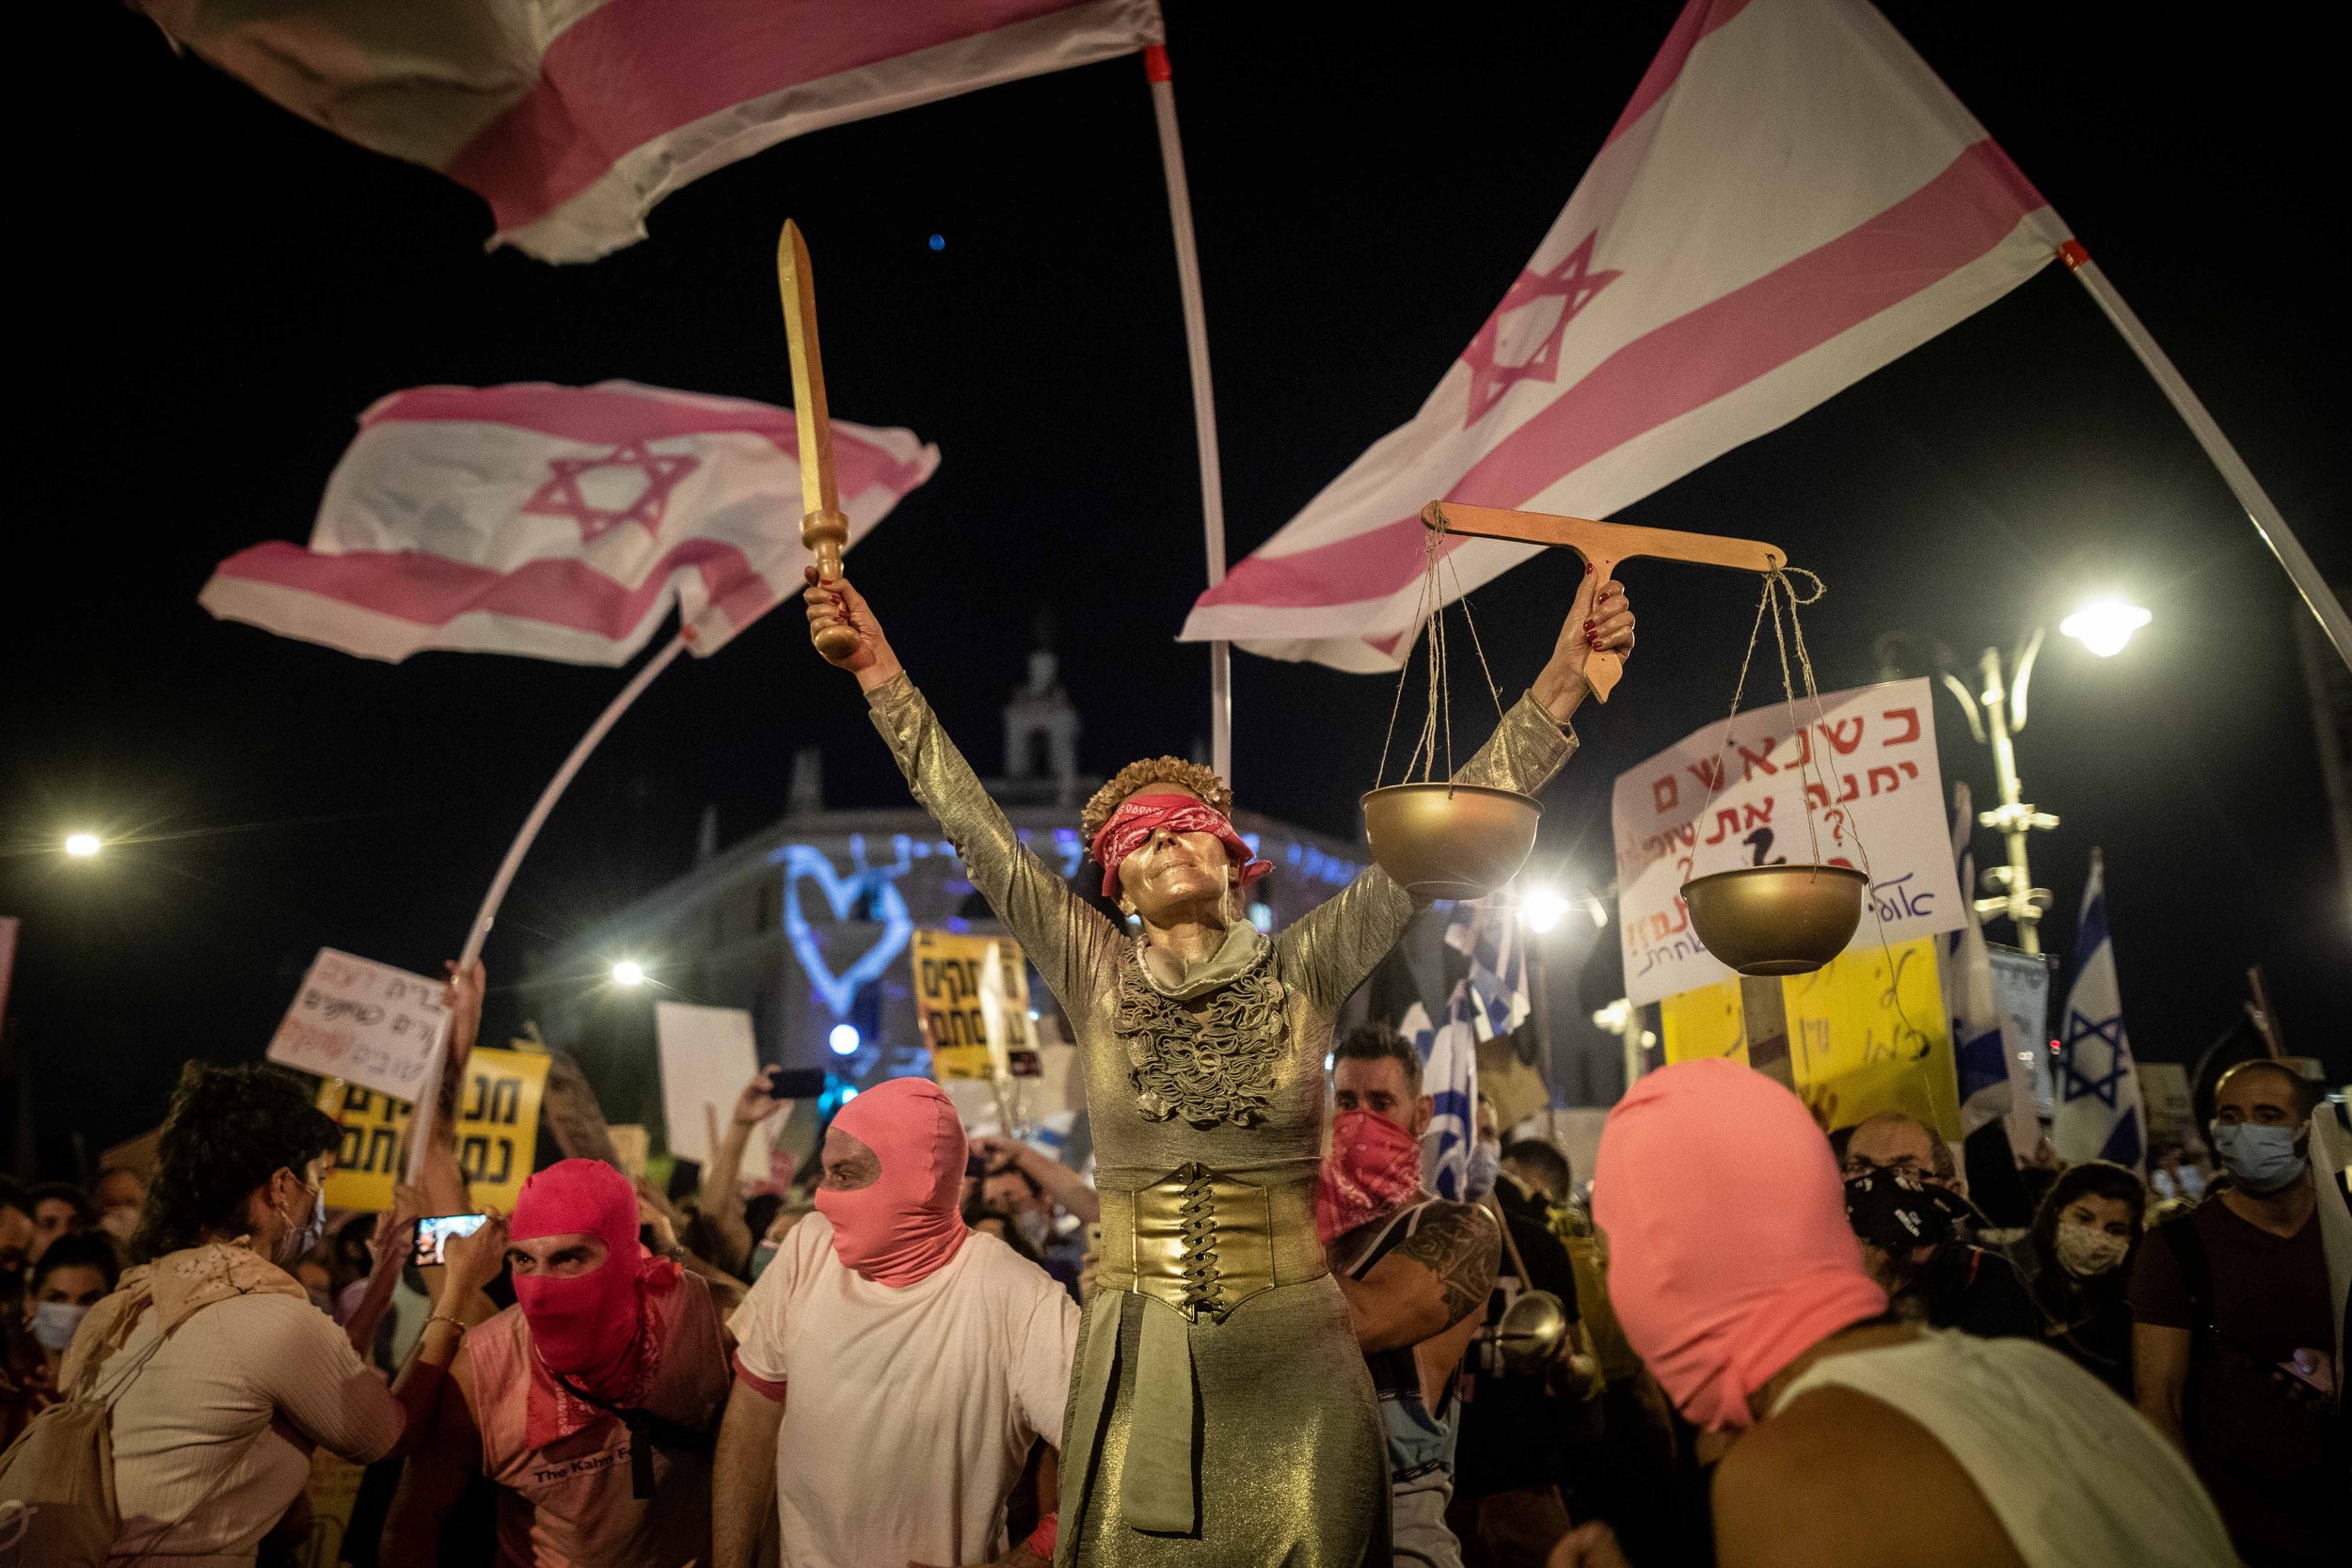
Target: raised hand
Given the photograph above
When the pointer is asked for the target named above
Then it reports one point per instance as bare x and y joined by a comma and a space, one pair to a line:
1600, 618
837, 603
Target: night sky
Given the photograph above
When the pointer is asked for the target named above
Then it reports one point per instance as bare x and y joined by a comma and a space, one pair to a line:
210, 290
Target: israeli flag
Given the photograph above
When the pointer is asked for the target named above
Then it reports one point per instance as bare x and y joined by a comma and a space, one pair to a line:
1979, 1051
1449, 1076
2099, 1113
1487, 932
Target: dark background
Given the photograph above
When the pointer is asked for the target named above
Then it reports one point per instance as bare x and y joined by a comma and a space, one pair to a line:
209, 289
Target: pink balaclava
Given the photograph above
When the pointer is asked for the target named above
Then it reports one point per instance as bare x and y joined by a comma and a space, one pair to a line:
1729, 1254
586, 1327
906, 1225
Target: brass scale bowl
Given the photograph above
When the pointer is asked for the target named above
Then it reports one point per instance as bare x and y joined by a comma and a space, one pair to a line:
1443, 840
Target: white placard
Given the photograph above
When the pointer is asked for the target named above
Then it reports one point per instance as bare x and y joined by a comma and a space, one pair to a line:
707, 1056
364, 1023
1736, 794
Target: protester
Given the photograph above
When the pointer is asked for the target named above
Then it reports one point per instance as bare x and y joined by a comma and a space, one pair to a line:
896, 1368
116, 1192
1517, 1420
1046, 1202
1903, 1200
1415, 1269
20, 1233
221, 1374
74, 1273
1853, 1438
1203, 1042
723, 1234
2081, 1246
58, 1209
589, 1403
2234, 1341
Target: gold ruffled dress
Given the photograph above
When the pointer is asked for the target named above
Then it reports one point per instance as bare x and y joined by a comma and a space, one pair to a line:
1219, 1410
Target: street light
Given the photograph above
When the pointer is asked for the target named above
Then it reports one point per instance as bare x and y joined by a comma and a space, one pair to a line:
1995, 714
82, 846
2104, 625
1542, 909
628, 971
843, 1040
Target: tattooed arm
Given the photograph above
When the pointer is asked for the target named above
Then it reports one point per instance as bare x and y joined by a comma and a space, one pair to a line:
1429, 1282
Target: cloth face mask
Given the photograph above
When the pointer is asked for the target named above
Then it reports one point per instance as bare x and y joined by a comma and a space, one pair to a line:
2087, 1251
55, 1322
1373, 1166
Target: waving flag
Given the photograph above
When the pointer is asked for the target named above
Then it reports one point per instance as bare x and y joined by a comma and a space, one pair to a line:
1449, 1076
572, 120
1488, 937
559, 522
1996, 1080
2099, 1115
1790, 201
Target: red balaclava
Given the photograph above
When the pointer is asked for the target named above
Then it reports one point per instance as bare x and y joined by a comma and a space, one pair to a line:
586, 1327
1139, 817
1730, 1253
906, 1225
1373, 1166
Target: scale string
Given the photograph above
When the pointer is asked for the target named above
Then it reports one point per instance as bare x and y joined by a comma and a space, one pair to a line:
1403, 673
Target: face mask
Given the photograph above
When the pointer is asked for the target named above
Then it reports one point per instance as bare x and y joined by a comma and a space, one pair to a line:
2262, 1158
1373, 1166
582, 1325
905, 1226
762, 1255
2087, 1251
1035, 1228
54, 1322
301, 1238
1485, 1169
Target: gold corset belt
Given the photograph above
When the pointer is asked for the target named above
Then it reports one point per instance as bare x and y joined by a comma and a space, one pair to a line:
1204, 1242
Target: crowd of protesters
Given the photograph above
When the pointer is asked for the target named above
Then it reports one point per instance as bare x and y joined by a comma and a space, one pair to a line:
1739, 1342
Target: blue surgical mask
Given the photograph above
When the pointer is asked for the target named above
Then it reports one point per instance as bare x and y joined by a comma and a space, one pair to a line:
55, 1322
762, 1255
1486, 1167
2262, 1158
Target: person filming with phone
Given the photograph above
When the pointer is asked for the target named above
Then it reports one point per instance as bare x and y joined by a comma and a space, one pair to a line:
589, 1403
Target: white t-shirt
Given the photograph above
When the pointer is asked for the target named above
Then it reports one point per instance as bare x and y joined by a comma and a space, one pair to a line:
908, 1412
216, 1428
2076, 1477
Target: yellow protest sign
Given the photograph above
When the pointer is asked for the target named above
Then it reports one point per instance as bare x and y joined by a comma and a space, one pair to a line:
1867, 1034
971, 994
497, 1132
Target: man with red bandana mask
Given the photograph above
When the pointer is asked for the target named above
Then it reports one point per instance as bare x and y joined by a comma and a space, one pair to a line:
1416, 1270
590, 1402
896, 1368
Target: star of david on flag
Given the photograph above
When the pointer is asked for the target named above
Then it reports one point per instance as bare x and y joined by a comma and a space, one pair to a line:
1487, 932
1449, 1076
2099, 1115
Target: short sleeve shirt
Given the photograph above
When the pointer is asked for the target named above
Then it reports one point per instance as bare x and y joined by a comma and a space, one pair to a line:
908, 1411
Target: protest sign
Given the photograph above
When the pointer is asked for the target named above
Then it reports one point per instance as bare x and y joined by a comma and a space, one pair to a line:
1735, 795
497, 1132
634, 1145
971, 996
1867, 1033
363, 1022
707, 1056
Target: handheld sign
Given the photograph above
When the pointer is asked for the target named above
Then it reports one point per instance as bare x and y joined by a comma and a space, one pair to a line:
364, 1023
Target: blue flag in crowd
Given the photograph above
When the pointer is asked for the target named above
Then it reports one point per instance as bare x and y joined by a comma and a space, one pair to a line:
2098, 1115
1979, 1052
1449, 1076
1486, 931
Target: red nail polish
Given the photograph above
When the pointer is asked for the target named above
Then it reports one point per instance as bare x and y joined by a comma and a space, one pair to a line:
1588, 568
1588, 626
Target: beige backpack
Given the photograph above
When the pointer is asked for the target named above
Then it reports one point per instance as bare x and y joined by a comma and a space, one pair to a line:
57, 1478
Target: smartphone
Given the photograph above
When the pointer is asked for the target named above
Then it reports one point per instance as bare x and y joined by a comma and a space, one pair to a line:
435, 1230
797, 1083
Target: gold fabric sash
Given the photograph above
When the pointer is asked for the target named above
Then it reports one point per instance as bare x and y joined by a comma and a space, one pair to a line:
1194, 1245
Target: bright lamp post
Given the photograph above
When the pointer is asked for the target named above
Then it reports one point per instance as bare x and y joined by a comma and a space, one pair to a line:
629, 974
1995, 714
82, 846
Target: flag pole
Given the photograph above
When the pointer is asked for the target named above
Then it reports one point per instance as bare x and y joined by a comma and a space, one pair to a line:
1156, 67
2235, 474
428, 1108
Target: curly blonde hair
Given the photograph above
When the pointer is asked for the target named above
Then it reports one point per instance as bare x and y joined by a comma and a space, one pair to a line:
1136, 776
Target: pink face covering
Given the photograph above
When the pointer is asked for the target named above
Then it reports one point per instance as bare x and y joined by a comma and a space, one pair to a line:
585, 1327
1141, 816
905, 1226
1729, 1254
1373, 1166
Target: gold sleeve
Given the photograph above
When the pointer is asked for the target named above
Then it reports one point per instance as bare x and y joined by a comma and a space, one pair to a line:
1073, 945
1334, 945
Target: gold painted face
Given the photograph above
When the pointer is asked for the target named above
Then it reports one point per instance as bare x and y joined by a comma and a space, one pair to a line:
1170, 871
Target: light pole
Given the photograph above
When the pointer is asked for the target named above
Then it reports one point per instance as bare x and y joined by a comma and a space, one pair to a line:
1995, 714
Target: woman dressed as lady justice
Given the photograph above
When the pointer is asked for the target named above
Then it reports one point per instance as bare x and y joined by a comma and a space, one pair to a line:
1220, 1412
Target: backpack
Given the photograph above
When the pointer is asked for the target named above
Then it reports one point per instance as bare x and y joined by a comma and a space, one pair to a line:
58, 1480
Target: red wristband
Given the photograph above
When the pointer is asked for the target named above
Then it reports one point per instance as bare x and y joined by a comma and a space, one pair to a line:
1042, 1539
